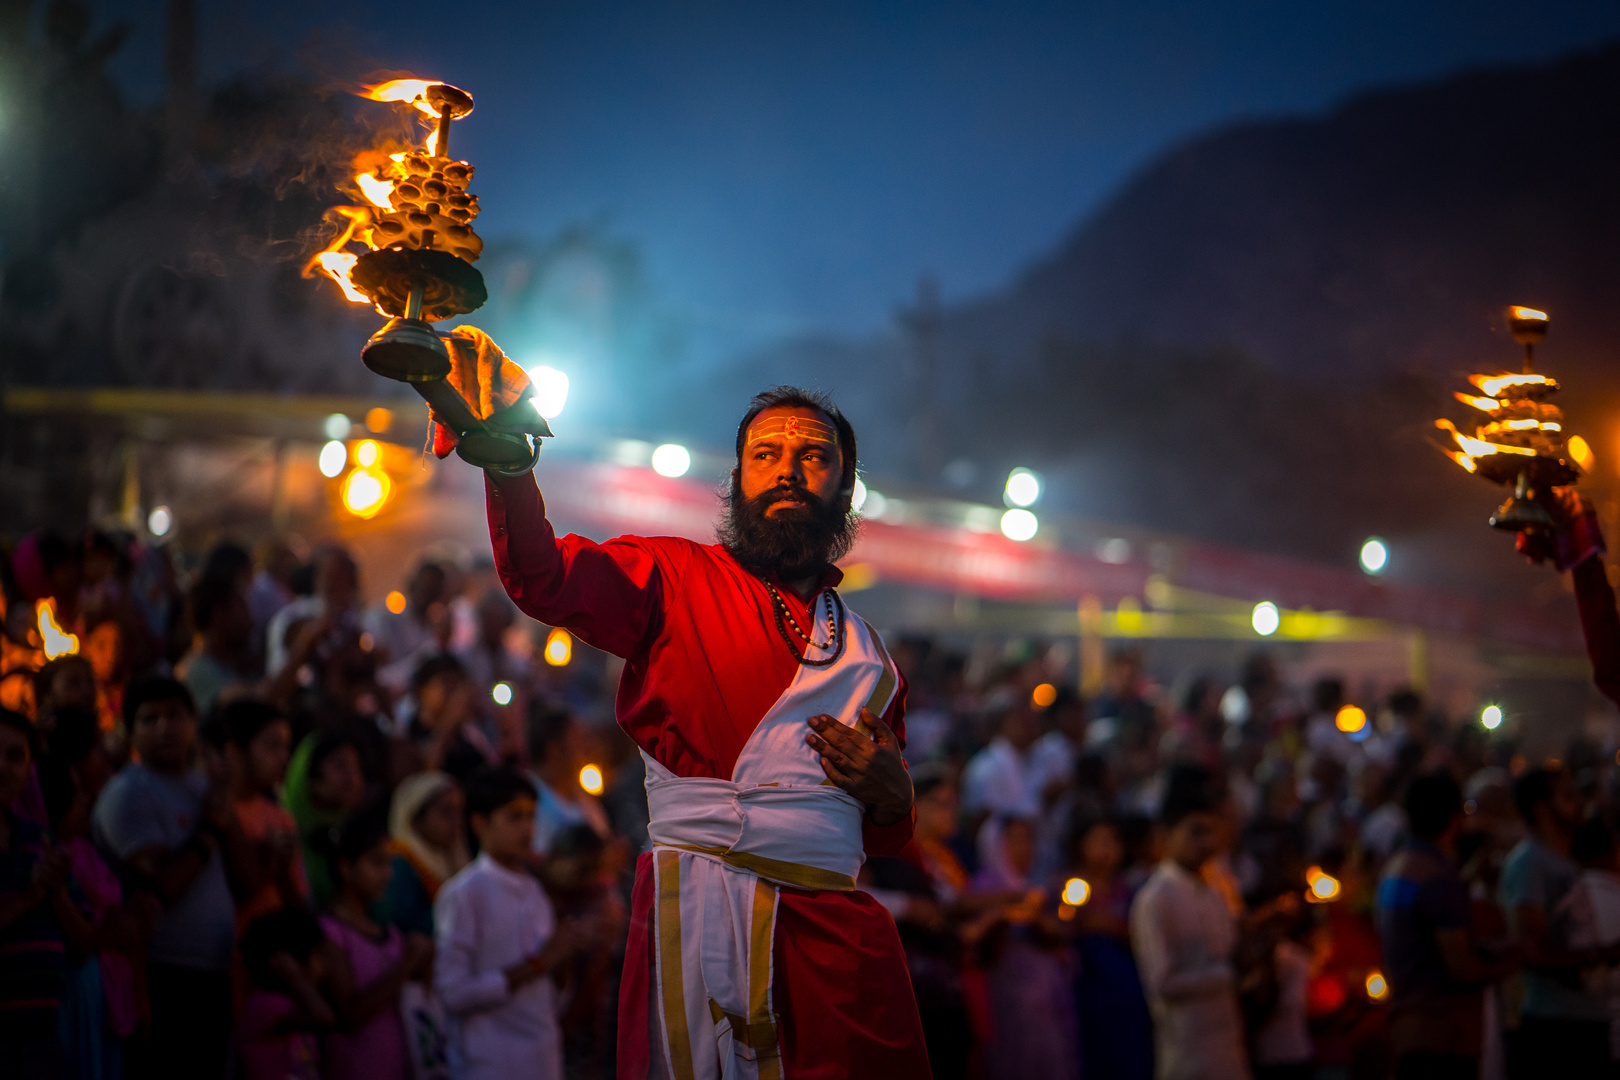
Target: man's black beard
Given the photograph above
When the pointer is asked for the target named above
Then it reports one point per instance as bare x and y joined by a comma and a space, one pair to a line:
794, 545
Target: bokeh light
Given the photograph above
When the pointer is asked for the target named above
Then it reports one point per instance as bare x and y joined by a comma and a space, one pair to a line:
1019, 525
1374, 555
1265, 618
1491, 717
550, 390
501, 693
559, 648
160, 521
334, 455
1076, 892
671, 460
590, 778
1043, 696
365, 492
395, 602
1023, 488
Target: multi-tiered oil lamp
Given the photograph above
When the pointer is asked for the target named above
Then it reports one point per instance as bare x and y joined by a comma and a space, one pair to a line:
417, 270
1521, 442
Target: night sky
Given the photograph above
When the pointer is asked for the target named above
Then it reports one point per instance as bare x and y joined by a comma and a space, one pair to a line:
794, 167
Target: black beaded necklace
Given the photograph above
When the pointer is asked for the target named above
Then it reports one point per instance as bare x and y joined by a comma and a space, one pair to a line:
836, 623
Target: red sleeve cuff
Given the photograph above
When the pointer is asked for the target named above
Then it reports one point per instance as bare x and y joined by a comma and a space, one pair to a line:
880, 840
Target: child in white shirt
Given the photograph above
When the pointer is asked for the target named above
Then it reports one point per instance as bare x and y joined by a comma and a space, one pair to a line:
497, 943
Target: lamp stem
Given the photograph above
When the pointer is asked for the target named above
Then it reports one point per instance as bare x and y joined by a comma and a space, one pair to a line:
413, 303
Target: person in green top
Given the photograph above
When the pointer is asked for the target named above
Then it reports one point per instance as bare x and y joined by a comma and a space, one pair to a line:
325, 783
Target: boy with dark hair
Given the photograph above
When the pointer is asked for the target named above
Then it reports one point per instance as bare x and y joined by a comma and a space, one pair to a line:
1437, 973
1184, 937
498, 941
161, 821
1563, 1030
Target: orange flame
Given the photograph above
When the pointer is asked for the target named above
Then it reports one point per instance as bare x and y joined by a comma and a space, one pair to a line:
1483, 404
55, 641
1528, 314
1479, 447
338, 264
1493, 385
378, 192
411, 91
1462, 459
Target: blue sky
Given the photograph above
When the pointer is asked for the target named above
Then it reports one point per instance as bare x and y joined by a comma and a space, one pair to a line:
794, 167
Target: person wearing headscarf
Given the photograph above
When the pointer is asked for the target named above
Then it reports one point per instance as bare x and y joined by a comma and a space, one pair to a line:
429, 840
325, 783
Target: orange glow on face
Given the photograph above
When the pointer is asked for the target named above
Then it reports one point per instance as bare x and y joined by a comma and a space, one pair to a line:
410, 91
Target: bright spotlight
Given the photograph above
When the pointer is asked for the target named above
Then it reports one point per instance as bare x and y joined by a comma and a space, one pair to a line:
365, 492
501, 693
1076, 892
1374, 555
590, 778
1266, 618
337, 426
1491, 717
559, 648
857, 498
160, 521
1019, 525
550, 390
1023, 488
334, 455
671, 460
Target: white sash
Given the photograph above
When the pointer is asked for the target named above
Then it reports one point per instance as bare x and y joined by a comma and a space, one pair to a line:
723, 847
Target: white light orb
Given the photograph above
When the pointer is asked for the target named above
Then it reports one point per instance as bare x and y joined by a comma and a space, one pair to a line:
1266, 618
337, 426
160, 521
671, 460
1491, 717
501, 693
1019, 525
857, 498
1374, 555
550, 390
334, 455
1023, 488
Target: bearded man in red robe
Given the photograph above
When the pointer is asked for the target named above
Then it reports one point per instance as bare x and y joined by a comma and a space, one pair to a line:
770, 719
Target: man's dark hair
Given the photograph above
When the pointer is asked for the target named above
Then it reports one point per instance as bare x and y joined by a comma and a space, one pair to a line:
155, 688
433, 667
493, 787
576, 840
1188, 790
792, 397
242, 720
292, 930
329, 741
228, 561
207, 599
1431, 803
1532, 789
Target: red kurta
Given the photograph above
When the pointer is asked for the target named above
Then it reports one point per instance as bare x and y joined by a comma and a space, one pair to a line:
704, 662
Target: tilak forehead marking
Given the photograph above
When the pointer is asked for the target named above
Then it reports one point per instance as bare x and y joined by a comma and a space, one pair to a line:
792, 427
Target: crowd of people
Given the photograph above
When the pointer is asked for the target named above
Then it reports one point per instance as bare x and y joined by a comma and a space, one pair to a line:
256, 826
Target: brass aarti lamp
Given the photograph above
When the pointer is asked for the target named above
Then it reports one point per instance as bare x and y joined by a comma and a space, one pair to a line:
1520, 441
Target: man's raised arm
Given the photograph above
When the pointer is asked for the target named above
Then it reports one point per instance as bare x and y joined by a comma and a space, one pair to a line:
611, 594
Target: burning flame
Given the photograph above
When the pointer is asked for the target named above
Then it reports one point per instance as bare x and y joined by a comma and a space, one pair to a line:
1528, 313
57, 642
1483, 404
1479, 447
338, 264
378, 192
1581, 451
411, 91
1493, 385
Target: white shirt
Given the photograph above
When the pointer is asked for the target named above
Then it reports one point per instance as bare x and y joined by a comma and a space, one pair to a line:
1004, 781
1183, 936
486, 919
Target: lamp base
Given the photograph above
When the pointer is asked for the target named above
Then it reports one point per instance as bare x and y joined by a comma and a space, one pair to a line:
1521, 514
407, 350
